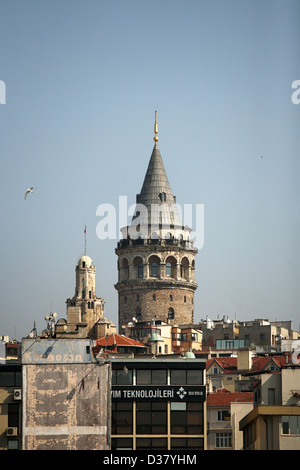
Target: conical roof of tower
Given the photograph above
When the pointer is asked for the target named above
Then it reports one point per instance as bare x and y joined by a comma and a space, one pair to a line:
155, 182
156, 194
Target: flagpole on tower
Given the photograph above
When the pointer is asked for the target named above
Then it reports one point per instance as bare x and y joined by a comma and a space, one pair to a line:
85, 240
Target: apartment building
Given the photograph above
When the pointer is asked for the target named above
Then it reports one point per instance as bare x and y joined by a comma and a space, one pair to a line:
259, 334
163, 338
274, 422
239, 373
224, 411
10, 406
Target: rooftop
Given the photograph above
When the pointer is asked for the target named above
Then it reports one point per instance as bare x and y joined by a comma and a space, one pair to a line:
223, 397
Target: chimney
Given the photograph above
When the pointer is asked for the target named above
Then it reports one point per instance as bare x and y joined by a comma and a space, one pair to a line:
244, 359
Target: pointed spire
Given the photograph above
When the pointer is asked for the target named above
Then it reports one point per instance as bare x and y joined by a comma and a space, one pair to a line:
156, 190
155, 138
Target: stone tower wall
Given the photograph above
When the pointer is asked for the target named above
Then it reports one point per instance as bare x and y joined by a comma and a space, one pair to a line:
155, 302
144, 296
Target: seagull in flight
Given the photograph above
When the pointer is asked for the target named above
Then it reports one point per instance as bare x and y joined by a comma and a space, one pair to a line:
29, 190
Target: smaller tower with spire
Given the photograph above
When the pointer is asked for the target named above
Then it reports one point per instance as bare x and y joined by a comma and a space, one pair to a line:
85, 309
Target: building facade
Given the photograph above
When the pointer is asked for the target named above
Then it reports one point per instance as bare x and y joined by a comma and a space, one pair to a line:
158, 404
66, 396
10, 406
274, 422
224, 411
156, 257
163, 338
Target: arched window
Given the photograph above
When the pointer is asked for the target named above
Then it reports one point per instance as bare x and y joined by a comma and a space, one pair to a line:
124, 270
171, 267
140, 270
154, 266
168, 269
138, 267
154, 269
184, 268
171, 314
139, 314
171, 297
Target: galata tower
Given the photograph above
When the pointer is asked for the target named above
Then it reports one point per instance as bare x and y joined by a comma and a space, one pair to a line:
156, 259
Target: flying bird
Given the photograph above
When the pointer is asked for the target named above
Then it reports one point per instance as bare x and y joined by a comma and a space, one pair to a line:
29, 190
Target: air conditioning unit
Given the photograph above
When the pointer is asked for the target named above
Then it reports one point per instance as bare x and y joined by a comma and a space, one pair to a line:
11, 432
17, 394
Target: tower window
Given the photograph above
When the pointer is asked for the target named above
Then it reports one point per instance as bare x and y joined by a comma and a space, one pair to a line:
140, 270
138, 267
184, 298
171, 267
171, 313
125, 270
154, 269
83, 264
168, 269
138, 298
184, 269
90, 294
139, 314
163, 197
153, 297
171, 297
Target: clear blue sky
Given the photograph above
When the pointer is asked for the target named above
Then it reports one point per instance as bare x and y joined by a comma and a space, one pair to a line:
83, 80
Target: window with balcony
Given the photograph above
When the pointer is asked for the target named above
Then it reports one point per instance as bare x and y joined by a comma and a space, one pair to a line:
223, 415
223, 439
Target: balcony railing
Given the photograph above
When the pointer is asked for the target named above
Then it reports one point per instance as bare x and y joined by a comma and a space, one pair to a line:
126, 243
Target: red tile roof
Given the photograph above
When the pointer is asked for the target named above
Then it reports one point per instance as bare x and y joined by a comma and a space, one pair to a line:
229, 364
118, 340
223, 397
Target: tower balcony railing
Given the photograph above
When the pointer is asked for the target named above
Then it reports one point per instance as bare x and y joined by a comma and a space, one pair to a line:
126, 243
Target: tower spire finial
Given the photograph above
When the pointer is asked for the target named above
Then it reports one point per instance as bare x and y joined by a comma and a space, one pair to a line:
155, 138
